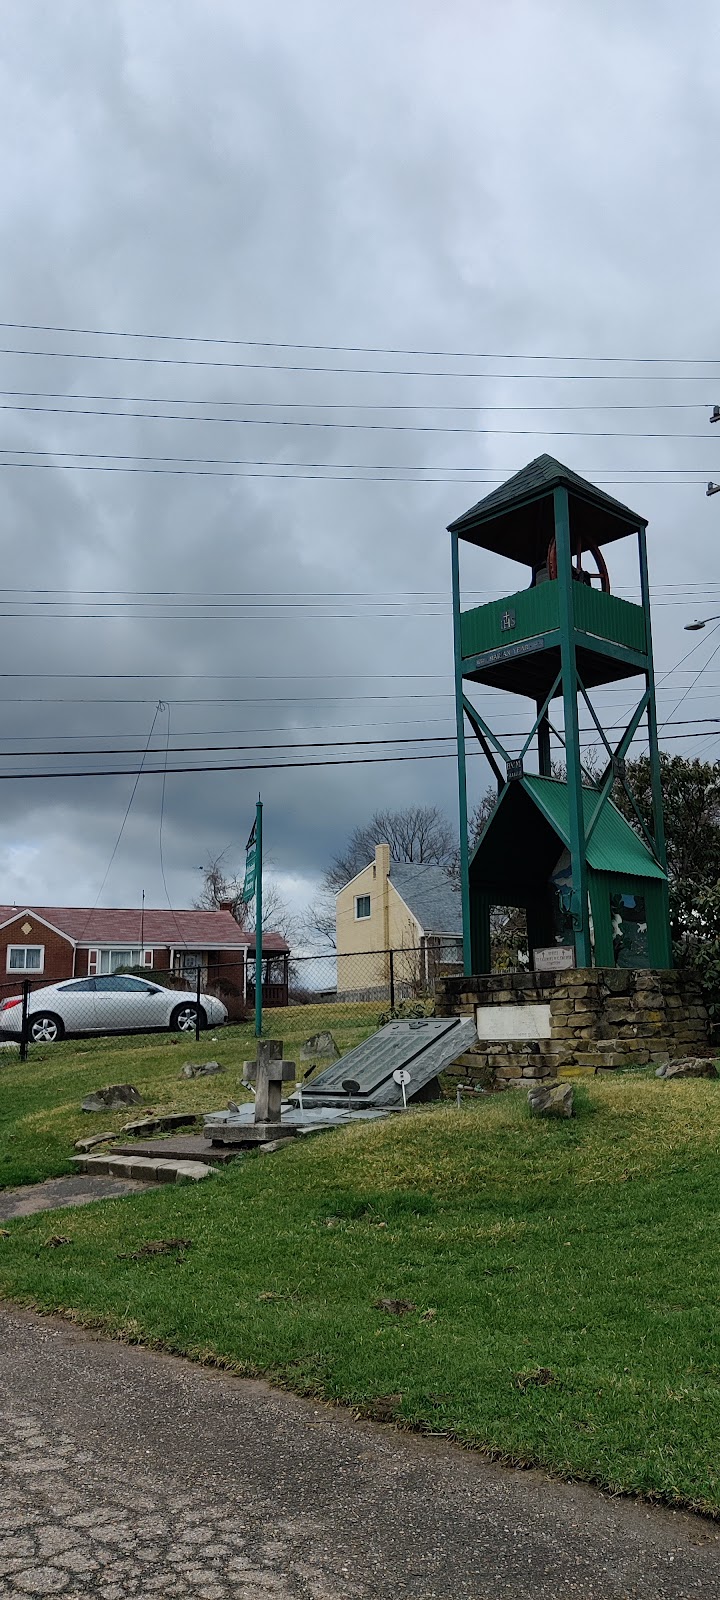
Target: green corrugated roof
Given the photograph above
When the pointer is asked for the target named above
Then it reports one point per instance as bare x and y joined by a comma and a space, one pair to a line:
542, 475
614, 846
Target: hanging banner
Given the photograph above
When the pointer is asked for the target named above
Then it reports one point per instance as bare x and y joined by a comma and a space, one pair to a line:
250, 884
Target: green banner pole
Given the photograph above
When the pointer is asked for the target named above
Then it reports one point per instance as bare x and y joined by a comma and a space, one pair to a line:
258, 920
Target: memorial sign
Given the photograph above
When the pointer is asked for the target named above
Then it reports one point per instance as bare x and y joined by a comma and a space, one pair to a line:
556, 958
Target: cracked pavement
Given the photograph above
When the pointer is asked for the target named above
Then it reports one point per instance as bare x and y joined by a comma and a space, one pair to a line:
129, 1473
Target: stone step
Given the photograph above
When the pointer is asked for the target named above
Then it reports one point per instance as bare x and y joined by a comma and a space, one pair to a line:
148, 1170
179, 1147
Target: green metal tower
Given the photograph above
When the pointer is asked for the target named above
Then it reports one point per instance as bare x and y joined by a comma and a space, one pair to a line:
560, 849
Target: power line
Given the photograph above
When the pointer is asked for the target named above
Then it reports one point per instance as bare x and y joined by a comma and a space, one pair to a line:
127, 813
320, 477
334, 594
317, 744
232, 700
352, 349
365, 427
342, 405
266, 766
359, 466
382, 372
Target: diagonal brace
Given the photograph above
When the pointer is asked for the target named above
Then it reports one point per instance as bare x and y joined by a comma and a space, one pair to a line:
608, 777
542, 713
484, 734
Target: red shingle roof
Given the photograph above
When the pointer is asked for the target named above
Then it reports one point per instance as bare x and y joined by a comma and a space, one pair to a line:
196, 930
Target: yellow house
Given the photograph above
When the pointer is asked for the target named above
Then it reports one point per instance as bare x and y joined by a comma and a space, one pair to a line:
396, 920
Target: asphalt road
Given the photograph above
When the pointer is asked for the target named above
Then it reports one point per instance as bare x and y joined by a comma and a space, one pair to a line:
127, 1473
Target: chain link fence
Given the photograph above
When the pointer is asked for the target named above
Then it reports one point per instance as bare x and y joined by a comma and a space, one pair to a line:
364, 987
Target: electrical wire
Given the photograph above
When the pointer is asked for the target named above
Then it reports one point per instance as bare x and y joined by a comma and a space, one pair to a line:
266, 766
321, 477
365, 427
351, 349
124, 820
346, 405
381, 372
317, 744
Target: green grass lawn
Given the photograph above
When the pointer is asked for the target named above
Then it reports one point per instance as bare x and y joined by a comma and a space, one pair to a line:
565, 1276
40, 1116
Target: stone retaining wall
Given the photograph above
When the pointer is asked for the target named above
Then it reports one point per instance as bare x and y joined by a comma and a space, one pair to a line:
599, 1018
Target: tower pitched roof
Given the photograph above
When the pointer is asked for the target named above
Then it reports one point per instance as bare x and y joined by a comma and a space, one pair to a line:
509, 519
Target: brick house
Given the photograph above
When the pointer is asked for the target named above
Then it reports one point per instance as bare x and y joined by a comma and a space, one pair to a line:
50, 943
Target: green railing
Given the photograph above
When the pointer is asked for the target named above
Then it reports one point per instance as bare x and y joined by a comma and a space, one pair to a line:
535, 611
609, 617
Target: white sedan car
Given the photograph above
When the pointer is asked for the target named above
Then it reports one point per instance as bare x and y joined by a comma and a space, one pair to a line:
116, 1003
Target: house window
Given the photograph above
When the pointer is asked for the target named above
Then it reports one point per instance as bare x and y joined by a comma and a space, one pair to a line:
25, 957
110, 960
362, 906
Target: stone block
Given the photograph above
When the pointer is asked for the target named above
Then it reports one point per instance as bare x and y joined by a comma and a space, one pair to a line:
691, 1067
115, 1097
617, 982
85, 1145
555, 1101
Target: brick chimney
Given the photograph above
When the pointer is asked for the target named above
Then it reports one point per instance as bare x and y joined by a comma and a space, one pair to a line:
382, 861
226, 905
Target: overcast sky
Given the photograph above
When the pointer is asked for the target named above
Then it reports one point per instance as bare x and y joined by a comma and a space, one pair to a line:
501, 177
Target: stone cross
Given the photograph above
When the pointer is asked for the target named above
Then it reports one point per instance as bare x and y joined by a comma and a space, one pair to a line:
269, 1072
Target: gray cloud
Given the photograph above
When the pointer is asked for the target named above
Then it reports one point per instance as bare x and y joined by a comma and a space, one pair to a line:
515, 177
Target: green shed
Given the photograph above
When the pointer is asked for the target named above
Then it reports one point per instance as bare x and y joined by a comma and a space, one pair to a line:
530, 829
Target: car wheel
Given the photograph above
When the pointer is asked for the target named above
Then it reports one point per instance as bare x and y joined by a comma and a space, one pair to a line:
44, 1028
183, 1018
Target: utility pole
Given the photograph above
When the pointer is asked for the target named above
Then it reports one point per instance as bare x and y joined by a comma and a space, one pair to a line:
258, 920
714, 488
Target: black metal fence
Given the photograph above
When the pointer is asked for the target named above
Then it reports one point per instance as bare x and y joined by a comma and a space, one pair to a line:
363, 987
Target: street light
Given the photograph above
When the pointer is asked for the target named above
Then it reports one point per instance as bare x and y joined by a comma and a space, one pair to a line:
713, 488
691, 627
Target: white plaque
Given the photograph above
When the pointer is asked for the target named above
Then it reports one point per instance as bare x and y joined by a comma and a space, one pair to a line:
510, 1022
556, 958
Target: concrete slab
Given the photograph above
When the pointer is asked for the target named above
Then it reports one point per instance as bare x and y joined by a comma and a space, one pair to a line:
250, 1133
59, 1192
181, 1147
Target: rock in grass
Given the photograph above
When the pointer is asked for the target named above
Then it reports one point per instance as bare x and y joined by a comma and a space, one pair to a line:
164, 1122
92, 1139
553, 1101
200, 1069
319, 1045
113, 1098
689, 1067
